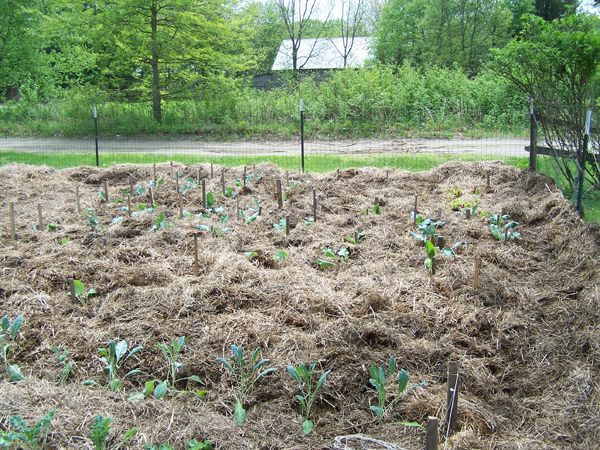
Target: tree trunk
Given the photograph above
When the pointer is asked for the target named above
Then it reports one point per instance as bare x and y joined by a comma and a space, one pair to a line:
156, 109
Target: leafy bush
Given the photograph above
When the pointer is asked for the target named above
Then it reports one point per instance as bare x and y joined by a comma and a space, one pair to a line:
9, 331
21, 435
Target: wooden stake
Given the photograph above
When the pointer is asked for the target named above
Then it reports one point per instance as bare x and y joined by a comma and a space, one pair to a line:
40, 217
237, 208
177, 181
203, 193
415, 210
468, 213
279, 194
452, 397
11, 218
387, 174
154, 175
196, 265
337, 174
211, 171
259, 210
199, 175
151, 198
287, 225
72, 290
172, 170
106, 191
129, 205
431, 439
476, 271
314, 205
77, 199
287, 177
244, 178
131, 185
180, 204
356, 237
223, 181
487, 180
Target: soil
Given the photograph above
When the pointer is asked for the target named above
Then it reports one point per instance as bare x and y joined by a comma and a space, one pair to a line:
526, 340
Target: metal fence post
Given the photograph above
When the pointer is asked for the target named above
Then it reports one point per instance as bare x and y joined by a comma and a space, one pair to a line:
533, 136
95, 116
302, 134
581, 163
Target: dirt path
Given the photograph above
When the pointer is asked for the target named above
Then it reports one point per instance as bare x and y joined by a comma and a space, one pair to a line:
185, 145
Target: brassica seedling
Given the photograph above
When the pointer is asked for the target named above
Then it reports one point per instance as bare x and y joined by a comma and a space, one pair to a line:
378, 379
112, 357
92, 220
281, 255
310, 388
427, 229
68, 365
101, 430
9, 331
171, 354
501, 227
245, 374
430, 251
81, 293
21, 435
359, 235
161, 222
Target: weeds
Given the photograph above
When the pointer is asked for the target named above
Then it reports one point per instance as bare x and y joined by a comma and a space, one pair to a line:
245, 374
101, 431
112, 357
24, 436
9, 331
305, 375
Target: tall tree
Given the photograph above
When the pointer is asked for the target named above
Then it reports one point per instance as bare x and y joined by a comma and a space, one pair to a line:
353, 12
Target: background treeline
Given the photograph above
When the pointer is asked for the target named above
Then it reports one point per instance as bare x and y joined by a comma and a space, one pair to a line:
186, 66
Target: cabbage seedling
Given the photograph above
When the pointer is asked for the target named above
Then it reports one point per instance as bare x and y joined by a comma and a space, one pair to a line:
430, 251
9, 331
501, 227
340, 255
245, 374
359, 235
427, 229
22, 435
378, 379
92, 220
101, 430
160, 223
152, 388
171, 354
112, 357
305, 375
81, 293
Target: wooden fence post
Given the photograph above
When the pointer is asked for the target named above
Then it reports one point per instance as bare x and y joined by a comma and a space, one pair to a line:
279, 194
432, 439
452, 397
11, 218
203, 193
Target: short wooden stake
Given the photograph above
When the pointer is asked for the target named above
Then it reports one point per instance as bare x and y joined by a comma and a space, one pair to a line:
432, 439
77, 199
203, 193
244, 177
287, 177
279, 194
452, 397
223, 181
506, 235
129, 205
387, 174
259, 210
314, 205
287, 225
177, 181
180, 198
196, 265
487, 180
476, 271
131, 185
337, 174
154, 180
106, 191
40, 217
468, 213
237, 208
415, 210
11, 218
172, 174
199, 176
356, 237
151, 198
72, 290
211, 171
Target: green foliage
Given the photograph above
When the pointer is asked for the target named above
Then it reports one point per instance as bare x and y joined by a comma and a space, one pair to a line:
187, 185
501, 227
21, 435
113, 357
310, 383
81, 293
427, 229
92, 220
63, 356
245, 374
430, 251
329, 253
191, 445
100, 434
281, 255
161, 222
356, 238
171, 353
379, 379
281, 225
9, 332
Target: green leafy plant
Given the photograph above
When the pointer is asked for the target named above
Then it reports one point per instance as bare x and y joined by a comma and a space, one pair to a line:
427, 229
187, 185
64, 241
310, 383
501, 227
210, 200
156, 389
161, 222
92, 220
113, 357
52, 226
358, 236
171, 353
81, 293
281, 255
68, 365
101, 431
245, 374
337, 256
21, 435
9, 331
430, 251
379, 380
373, 210
191, 445
280, 226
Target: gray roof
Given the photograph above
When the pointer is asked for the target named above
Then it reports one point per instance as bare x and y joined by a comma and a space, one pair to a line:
323, 53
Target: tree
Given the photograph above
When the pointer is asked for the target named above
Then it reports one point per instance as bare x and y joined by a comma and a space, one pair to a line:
557, 64
353, 12
297, 16
553, 9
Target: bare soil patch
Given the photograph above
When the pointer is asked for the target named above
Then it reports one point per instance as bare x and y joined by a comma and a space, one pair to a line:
527, 340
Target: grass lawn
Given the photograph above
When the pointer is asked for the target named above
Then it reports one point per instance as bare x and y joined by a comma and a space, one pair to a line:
314, 163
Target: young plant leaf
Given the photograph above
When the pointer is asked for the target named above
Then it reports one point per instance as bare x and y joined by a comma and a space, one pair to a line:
307, 426
239, 413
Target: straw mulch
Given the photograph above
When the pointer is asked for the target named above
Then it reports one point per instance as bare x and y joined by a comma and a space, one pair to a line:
526, 340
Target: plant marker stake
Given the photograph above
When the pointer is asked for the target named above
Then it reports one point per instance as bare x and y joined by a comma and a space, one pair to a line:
151, 197
387, 176
211, 171
223, 181
287, 225
356, 237
337, 174
415, 210
237, 208
259, 210
431, 439
77, 198
468, 213
279, 194
287, 177
487, 180
171, 169
196, 265
154, 174
244, 178
106, 191
72, 290
199, 175
506, 235
314, 205
130, 184
476, 271
177, 181
129, 205
203, 193
40, 217
452, 398
180, 204
11, 217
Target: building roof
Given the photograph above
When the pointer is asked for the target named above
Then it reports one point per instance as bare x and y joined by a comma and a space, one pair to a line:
323, 53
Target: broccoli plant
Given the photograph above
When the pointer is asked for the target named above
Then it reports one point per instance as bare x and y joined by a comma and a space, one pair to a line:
171, 353
245, 374
161, 222
21, 435
379, 380
310, 388
113, 357
501, 227
92, 220
9, 331
427, 229
329, 254
100, 434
